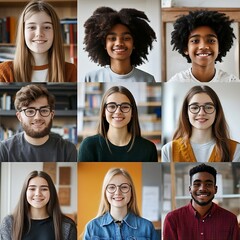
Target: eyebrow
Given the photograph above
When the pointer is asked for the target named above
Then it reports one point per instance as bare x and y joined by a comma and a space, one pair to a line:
36, 23
36, 186
124, 33
211, 103
198, 35
207, 181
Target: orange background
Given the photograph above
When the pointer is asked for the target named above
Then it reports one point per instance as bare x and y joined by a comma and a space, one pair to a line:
90, 179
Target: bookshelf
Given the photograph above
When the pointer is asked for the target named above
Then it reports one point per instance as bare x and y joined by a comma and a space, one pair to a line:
65, 9
65, 119
147, 97
176, 181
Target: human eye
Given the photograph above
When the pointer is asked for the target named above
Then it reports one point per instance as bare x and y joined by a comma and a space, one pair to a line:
45, 110
111, 188
31, 188
209, 107
31, 27
194, 40
111, 106
212, 40
44, 188
30, 111
194, 107
127, 37
111, 38
124, 187
48, 27
125, 107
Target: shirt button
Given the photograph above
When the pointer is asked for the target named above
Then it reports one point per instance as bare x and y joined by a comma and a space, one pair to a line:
202, 220
201, 233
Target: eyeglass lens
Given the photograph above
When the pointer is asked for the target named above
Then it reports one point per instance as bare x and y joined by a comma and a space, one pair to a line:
207, 108
31, 112
112, 107
124, 188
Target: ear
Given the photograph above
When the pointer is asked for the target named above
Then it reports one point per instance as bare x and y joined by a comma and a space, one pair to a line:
186, 52
52, 114
19, 116
216, 188
190, 190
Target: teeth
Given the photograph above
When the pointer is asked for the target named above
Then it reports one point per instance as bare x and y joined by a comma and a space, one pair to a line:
203, 54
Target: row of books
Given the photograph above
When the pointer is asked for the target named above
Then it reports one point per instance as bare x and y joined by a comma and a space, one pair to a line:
7, 29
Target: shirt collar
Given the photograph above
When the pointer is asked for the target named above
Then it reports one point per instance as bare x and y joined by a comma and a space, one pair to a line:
210, 212
130, 220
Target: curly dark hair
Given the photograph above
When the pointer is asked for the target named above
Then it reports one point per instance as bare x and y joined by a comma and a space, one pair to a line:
203, 168
218, 22
100, 23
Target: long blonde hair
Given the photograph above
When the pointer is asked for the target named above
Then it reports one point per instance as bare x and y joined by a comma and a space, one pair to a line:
104, 205
24, 60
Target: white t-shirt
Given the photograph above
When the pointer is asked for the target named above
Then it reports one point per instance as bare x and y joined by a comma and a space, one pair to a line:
187, 76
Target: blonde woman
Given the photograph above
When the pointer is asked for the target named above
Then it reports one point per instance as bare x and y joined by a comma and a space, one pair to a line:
39, 55
118, 215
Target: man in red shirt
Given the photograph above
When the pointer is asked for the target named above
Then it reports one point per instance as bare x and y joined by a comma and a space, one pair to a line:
201, 219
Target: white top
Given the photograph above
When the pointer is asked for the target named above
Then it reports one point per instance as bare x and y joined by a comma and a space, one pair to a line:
187, 76
105, 74
201, 151
40, 73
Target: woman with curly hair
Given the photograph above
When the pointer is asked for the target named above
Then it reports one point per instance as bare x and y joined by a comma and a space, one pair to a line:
118, 215
203, 38
38, 214
39, 53
118, 41
202, 134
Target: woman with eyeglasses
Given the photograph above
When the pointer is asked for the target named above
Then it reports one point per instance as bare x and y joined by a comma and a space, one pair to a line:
119, 135
202, 134
118, 215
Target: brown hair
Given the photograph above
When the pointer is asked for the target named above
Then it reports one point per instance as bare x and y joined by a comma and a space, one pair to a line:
30, 93
24, 60
133, 125
219, 128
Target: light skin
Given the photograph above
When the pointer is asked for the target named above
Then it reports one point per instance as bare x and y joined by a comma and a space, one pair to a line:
38, 33
202, 189
37, 128
201, 122
38, 196
118, 201
203, 49
118, 121
119, 46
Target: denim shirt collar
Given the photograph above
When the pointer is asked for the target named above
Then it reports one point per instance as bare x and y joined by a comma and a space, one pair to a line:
130, 220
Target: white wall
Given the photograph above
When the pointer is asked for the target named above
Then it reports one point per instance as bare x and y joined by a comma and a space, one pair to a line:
174, 93
12, 179
151, 9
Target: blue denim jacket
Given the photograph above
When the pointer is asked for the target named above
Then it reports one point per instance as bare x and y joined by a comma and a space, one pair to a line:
132, 228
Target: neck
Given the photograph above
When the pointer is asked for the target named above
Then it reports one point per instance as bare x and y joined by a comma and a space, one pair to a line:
118, 214
202, 210
201, 136
40, 59
121, 67
203, 74
36, 141
119, 137
39, 213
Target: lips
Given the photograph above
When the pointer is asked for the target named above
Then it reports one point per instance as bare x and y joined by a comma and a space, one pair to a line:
39, 41
204, 54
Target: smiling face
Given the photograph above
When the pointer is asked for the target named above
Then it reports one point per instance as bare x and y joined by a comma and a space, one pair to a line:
203, 47
38, 33
118, 119
36, 126
118, 200
119, 43
38, 194
202, 188
201, 120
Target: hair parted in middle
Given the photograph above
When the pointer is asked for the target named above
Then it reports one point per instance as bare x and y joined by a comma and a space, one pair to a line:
21, 214
219, 128
104, 205
30, 93
24, 59
218, 22
104, 19
133, 125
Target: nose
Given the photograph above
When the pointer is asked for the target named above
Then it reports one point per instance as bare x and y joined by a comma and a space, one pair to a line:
37, 115
37, 192
118, 110
201, 111
119, 41
39, 31
203, 45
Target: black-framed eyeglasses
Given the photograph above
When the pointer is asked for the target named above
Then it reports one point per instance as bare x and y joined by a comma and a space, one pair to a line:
31, 112
112, 107
124, 188
207, 108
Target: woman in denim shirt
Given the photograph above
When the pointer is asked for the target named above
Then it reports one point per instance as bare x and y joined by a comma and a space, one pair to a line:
118, 215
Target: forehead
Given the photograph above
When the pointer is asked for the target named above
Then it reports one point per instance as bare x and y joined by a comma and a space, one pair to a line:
39, 102
118, 179
118, 98
38, 18
203, 177
200, 98
203, 31
38, 181
119, 29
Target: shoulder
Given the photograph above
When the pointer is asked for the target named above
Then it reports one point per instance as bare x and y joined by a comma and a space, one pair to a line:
6, 223
143, 76
15, 139
93, 139
6, 65
222, 76
6, 71
98, 75
144, 141
183, 76
68, 222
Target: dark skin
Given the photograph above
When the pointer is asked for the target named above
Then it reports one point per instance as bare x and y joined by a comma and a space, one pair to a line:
202, 189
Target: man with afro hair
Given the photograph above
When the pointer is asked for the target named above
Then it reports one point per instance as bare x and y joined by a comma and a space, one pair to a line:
203, 37
118, 41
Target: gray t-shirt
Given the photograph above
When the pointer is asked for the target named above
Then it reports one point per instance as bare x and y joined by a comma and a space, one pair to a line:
105, 74
55, 149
